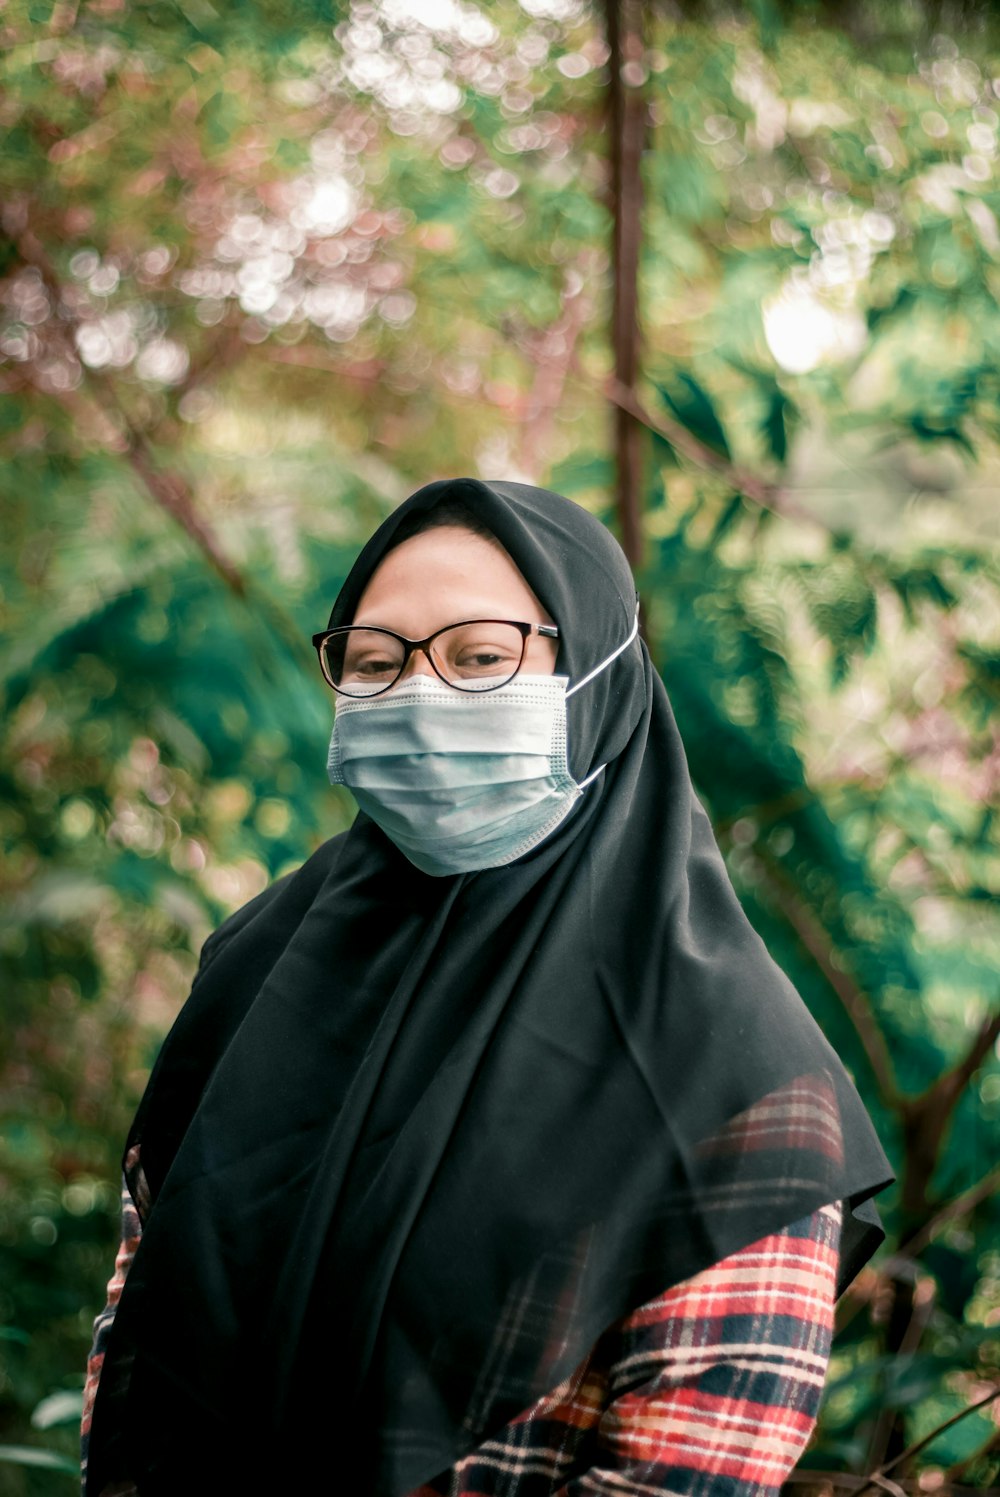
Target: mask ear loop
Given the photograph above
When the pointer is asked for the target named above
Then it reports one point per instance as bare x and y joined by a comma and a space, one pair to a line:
596, 672
613, 656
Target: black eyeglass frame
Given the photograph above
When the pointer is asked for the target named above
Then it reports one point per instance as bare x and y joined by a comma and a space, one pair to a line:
544, 631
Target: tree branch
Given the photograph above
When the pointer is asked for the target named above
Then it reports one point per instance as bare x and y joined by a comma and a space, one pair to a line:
825, 1482
168, 490
918, 1445
555, 356
988, 1447
760, 491
626, 136
856, 1003
951, 1211
859, 1484
926, 1117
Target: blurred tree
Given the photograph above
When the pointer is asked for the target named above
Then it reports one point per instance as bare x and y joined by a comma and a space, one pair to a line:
258, 282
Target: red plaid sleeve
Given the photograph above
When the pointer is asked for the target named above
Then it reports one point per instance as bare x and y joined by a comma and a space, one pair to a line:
711, 1388
718, 1383
131, 1232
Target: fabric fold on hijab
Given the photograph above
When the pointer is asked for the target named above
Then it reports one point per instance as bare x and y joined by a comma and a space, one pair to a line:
414, 1142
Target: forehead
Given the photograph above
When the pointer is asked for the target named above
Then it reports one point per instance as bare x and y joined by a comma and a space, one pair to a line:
443, 575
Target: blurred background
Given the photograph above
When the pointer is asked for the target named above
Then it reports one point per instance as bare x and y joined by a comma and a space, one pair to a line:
728, 276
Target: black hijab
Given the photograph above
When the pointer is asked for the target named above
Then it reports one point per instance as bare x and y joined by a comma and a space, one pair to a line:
397, 1108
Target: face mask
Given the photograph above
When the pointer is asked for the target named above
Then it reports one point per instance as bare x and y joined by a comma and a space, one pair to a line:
457, 780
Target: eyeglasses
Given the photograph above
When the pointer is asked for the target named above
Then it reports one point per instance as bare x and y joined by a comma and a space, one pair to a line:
475, 655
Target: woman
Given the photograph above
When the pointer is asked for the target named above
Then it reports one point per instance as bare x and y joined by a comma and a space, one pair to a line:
492, 1152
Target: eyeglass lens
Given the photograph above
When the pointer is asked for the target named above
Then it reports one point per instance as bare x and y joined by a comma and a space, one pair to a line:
474, 656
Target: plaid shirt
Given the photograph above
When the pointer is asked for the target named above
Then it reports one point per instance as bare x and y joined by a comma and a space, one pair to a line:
711, 1388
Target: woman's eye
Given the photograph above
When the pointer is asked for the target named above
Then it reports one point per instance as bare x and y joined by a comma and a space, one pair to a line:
485, 661
371, 667
484, 648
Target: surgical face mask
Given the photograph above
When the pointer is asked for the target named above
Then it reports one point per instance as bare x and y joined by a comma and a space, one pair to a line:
458, 780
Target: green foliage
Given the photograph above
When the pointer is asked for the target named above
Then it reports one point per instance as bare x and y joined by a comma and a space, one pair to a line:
758, 648
256, 289
693, 408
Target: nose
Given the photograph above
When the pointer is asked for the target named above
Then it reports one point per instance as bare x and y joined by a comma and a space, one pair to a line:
413, 667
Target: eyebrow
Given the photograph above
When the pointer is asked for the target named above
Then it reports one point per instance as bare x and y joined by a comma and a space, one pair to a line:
474, 618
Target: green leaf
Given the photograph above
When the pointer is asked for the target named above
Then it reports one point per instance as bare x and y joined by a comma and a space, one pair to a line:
44, 1460
769, 19
693, 408
59, 1408
582, 470
927, 429
220, 118
727, 519
775, 424
902, 302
